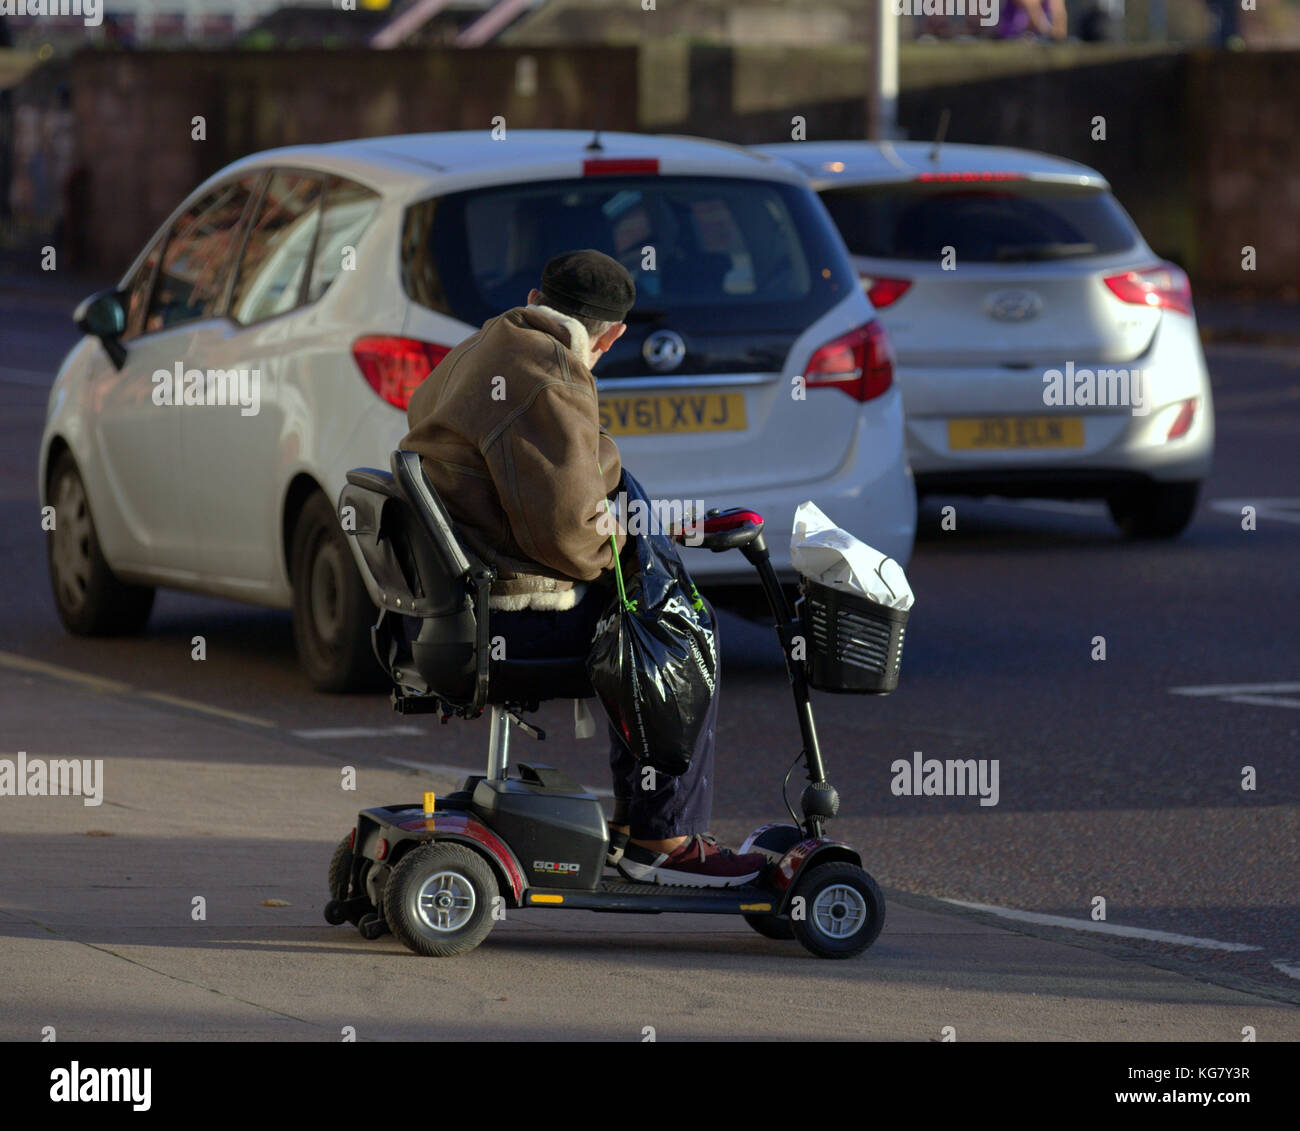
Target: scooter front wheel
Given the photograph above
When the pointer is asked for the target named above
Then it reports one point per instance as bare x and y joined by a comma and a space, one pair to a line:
841, 913
438, 900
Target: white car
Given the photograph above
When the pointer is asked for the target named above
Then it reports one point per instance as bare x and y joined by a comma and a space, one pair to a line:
269, 336
1043, 348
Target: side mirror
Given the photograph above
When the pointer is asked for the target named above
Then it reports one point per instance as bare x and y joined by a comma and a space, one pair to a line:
103, 315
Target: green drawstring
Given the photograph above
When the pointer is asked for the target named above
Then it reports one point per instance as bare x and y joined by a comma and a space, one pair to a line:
630, 606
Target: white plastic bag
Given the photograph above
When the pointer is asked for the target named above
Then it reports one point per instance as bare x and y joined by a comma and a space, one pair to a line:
820, 550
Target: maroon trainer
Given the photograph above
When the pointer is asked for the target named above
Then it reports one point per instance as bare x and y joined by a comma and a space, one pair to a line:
700, 862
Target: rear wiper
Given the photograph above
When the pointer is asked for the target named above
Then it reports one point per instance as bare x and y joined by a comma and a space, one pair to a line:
1028, 251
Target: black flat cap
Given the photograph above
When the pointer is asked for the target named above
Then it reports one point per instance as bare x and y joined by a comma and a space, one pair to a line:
588, 283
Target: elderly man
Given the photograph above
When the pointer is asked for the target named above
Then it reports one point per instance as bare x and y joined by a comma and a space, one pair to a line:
509, 431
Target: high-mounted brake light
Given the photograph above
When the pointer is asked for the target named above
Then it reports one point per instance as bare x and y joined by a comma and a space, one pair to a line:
1163, 286
883, 292
619, 166
967, 178
861, 363
394, 367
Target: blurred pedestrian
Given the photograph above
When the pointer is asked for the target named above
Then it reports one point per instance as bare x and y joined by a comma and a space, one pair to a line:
1045, 19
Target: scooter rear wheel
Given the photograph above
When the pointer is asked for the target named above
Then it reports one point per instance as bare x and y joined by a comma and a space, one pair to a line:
438, 899
843, 910
340, 877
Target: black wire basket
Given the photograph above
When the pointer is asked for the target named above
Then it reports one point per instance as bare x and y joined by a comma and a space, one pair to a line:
854, 645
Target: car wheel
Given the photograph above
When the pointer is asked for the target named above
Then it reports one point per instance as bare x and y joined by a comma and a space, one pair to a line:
1154, 510
90, 598
438, 901
332, 613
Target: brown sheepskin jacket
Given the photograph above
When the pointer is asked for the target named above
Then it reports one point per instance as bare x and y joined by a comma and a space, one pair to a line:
510, 437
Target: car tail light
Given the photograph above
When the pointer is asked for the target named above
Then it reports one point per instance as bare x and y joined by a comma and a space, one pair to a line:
861, 363
1164, 286
884, 292
396, 366
1183, 421
619, 166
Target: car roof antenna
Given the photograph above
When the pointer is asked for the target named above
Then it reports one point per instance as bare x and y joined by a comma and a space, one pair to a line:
594, 146
944, 115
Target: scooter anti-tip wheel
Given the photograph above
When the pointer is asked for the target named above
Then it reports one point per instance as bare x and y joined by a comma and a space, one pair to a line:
843, 910
372, 927
334, 913
438, 899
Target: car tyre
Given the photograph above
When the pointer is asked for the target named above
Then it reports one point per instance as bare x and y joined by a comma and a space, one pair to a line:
90, 598
332, 612
1154, 510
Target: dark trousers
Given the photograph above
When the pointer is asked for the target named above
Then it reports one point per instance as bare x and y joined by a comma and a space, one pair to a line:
654, 805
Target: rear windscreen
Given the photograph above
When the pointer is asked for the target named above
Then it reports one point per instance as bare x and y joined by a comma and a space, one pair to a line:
741, 250
984, 224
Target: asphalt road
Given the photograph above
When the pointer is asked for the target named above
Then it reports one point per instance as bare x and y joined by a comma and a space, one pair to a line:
1112, 783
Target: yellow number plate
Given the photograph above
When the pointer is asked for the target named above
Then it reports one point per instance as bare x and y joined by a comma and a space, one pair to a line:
673, 412
1003, 432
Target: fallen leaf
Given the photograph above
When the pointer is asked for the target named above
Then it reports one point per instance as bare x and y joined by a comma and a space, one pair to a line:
276, 903
99, 832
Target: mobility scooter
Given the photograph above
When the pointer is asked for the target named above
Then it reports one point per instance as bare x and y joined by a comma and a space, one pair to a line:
440, 872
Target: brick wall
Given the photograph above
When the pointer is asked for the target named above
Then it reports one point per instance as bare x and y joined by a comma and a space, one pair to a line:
134, 111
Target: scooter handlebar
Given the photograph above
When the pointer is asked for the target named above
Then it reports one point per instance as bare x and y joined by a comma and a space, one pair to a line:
722, 530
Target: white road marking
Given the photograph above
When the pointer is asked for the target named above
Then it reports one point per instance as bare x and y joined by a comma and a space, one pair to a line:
1282, 510
116, 687
357, 732
40, 667
1256, 694
1234, 688
204, 708
1263, 701
1290, 968
1103, 928
461, 772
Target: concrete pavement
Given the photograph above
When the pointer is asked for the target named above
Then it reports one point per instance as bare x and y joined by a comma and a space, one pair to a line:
98, 938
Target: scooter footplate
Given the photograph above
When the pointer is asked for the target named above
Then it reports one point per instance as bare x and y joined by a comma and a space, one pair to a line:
627, 887
651, 899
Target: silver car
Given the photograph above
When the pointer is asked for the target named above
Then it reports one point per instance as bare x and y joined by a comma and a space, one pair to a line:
1043, 349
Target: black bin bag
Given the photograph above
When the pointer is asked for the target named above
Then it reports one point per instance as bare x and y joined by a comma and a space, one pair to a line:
654, 657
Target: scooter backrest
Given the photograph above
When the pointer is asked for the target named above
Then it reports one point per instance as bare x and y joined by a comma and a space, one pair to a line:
411, 563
